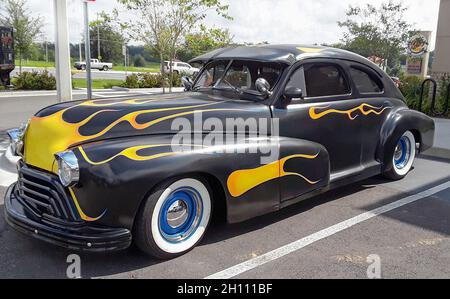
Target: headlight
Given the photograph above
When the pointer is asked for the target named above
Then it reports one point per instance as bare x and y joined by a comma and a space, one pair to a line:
16, 139
68, 169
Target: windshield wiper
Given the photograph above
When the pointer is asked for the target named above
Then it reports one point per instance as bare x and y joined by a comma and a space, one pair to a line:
236, 89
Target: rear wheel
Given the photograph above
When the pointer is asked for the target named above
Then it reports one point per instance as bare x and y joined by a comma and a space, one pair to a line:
403, 157
174, 218
105, 68
83, 67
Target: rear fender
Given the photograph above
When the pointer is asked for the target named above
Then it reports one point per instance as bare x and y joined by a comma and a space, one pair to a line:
396, 125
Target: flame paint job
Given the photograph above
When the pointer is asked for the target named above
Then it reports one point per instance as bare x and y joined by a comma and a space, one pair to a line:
314, 114
51, 134
80, 210
132, 153
241, 181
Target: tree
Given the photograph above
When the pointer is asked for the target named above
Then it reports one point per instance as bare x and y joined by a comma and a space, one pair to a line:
377, 31
161, 24
138, 61
111, 39
203, 41
26, 28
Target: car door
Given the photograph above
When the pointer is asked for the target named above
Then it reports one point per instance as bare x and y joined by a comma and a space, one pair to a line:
370, 90
326, 114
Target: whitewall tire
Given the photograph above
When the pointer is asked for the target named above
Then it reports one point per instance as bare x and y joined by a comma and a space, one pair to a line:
174, 218
403, 157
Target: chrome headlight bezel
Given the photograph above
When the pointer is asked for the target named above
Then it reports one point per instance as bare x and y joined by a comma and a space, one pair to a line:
16, 138
68, 168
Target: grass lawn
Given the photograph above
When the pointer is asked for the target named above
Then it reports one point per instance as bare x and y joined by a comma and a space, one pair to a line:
96, 83
32, 63
152, 67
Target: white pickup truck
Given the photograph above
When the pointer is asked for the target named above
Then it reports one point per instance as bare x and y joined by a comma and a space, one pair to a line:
95, 64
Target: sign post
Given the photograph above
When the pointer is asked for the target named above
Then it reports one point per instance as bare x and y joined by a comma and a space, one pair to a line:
418, 54
87, 54
62, 52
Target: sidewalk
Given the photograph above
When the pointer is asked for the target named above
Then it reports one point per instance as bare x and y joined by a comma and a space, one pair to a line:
441, 148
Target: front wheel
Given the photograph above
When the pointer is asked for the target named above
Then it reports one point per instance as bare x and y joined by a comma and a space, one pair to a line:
403, 157
174, 218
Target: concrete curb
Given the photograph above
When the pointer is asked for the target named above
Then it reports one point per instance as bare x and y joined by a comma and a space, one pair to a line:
437, 152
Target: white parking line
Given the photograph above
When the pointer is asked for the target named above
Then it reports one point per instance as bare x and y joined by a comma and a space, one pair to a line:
299, 244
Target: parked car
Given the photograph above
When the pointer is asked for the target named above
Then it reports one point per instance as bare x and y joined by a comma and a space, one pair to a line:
181, 68
95, 64
95, 175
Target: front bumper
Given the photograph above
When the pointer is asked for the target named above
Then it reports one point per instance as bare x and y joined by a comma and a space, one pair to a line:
84, 237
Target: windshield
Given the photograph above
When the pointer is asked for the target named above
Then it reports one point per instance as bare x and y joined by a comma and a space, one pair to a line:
240, 75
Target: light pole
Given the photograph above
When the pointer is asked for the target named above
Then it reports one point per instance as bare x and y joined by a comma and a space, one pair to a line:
99, 56
79, 50
62, 52
87, 50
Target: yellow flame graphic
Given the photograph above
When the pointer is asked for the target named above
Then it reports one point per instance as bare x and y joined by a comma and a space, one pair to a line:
80, 210
362, 108
241, 181
51, 134
131, 153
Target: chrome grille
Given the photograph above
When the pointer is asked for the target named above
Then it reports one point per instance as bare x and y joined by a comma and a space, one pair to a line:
43, 196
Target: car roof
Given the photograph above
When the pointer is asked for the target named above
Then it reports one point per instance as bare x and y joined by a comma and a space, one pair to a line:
285, 53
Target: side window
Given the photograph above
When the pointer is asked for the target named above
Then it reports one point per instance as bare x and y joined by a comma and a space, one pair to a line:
365, 82
325, 80
211, 74
298, 80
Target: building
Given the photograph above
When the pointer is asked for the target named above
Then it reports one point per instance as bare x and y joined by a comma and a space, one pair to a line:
441, 62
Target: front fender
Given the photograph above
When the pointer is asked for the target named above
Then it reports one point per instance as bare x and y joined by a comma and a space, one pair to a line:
396, 125
116, 175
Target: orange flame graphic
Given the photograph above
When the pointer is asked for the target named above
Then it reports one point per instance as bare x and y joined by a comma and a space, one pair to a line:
362, 109
242, 181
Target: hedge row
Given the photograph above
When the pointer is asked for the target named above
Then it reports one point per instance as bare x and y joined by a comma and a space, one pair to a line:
46, 81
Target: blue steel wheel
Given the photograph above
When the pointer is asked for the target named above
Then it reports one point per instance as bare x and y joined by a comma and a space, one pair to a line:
403, 157
180, 214
402, 153
174, 218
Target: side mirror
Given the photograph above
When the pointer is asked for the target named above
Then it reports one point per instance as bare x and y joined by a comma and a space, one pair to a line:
187, 83
263, 86
293, 93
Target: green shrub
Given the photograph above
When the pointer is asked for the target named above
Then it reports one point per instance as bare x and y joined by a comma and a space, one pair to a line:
441, 97
149, 80
34, 81
410, 88
139, 61
131, 81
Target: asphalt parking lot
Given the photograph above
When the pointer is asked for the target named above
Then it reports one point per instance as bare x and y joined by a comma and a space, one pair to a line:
411, 240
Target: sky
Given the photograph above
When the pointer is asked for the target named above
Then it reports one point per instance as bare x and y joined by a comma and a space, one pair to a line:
274, 21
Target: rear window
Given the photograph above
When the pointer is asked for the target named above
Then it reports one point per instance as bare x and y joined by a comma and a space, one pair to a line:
366, 82
325, 80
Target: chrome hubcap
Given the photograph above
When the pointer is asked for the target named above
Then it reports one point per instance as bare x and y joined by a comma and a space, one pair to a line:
402, 153
177, 214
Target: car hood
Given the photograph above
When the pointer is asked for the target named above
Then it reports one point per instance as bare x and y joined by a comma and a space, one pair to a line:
62, 126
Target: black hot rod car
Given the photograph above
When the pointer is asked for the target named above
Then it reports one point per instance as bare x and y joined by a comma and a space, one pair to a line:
95, 174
